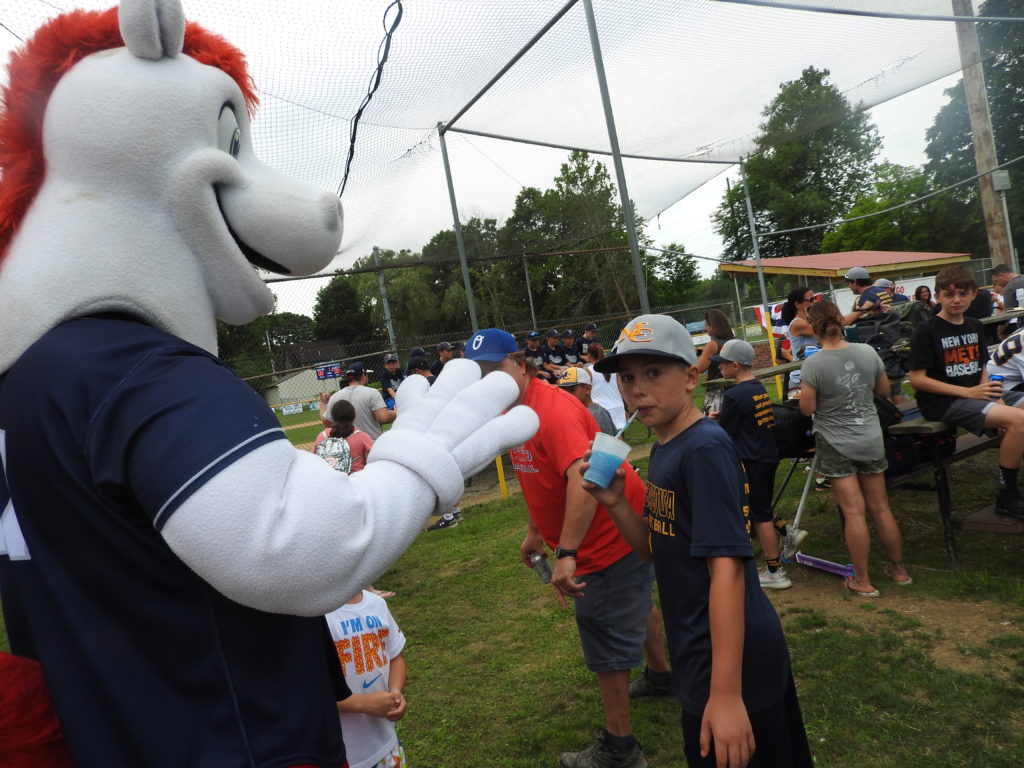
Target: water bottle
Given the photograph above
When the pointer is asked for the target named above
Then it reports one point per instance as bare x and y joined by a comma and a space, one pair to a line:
809, 350
540, 563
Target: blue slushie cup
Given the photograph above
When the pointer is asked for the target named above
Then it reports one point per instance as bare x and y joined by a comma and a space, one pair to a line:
606, 456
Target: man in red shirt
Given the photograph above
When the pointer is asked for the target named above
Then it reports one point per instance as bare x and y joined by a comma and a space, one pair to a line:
595, 566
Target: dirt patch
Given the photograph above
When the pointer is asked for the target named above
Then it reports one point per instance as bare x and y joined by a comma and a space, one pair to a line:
955, 633
315, 422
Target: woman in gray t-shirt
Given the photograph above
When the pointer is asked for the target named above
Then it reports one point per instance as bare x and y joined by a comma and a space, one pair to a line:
838, 384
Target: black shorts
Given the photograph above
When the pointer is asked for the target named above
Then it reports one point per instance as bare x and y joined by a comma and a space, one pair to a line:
761, 482
779, 736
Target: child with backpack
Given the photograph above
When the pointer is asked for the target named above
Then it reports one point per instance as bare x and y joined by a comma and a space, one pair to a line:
344, 446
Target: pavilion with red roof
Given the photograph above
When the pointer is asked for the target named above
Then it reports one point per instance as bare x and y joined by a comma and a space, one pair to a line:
834, 266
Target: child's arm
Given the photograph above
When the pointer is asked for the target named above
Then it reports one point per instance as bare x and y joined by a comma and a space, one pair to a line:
396, 685
377, 703
985, 390
725, 722
633, 527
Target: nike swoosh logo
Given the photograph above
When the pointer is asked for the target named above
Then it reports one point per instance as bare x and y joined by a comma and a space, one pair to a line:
368, 683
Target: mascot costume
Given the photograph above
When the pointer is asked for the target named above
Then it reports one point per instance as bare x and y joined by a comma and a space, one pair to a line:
166, 555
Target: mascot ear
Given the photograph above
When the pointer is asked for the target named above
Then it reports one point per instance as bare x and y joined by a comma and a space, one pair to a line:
152, 29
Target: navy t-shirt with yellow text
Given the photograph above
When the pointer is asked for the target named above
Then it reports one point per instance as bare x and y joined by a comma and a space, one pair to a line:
747, 418
696, 509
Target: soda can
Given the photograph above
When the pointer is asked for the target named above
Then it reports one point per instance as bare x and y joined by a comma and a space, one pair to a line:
999, 379
540, 563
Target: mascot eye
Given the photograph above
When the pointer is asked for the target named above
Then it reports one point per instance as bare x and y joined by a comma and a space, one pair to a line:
228, 136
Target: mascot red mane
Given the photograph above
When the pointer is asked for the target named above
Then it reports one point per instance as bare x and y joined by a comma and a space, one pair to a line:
165, 553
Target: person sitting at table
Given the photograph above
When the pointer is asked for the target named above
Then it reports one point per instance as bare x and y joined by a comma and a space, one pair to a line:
794, 316
798, 330
923, 295
716, 325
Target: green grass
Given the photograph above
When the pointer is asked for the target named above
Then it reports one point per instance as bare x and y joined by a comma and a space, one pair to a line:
496, 676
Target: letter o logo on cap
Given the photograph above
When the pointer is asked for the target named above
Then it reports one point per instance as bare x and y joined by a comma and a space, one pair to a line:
477, 341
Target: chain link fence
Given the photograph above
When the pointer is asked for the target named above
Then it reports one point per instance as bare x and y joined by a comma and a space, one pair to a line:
291, 374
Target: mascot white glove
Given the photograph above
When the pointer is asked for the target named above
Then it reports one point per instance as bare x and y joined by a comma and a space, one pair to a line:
448, 431
280, 531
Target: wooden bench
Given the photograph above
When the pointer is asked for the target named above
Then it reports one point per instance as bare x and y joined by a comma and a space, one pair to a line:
966, 445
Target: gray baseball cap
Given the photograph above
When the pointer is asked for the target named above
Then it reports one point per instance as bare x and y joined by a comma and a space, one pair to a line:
652, 335
883, 283
858, 273
735, 351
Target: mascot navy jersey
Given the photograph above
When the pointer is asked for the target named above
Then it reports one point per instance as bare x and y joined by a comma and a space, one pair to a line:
128, 422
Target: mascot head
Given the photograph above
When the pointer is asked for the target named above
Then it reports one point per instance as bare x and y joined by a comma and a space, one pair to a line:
130, 184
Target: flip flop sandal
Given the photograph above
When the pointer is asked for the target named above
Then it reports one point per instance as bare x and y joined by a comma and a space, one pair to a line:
872, 593
906, 582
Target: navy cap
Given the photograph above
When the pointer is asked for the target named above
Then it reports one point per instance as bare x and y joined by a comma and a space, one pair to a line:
590, 327
416, 364
356, 370
567, 333
491, 345
389, 358
443, 346
551, 333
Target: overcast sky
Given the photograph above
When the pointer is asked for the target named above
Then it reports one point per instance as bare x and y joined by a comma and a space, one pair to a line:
902, 123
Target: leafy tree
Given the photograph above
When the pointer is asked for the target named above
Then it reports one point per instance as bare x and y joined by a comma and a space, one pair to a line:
581, 213
671, 278
812, 162
256, 348
950, 148
343, 310
941, 223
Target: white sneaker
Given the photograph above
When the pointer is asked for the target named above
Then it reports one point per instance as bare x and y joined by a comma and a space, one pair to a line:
777, 580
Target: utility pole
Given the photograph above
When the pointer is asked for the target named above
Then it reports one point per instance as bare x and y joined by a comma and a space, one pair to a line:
981, 132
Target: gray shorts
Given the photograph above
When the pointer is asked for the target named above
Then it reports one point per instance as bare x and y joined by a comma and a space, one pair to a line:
612, 614
1014, 397
967, 413
831, 463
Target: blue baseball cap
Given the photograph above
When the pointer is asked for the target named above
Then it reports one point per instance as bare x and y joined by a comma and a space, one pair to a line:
491, 344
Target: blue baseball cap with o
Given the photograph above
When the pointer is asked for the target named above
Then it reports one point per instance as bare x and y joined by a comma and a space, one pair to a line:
491, 344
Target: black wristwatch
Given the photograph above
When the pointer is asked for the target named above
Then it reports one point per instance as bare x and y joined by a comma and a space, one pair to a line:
560, 553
